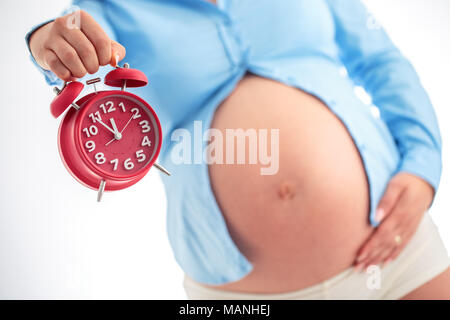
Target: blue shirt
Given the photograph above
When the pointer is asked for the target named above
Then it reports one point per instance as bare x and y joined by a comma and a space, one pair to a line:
195, 53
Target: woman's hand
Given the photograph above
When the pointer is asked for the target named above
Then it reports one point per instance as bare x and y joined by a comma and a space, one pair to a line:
71, 49
400, 210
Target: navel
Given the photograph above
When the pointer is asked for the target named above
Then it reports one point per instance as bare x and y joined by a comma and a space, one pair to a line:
286, 191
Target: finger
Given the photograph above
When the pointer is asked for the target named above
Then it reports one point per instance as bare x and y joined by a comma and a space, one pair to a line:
385, 206
97, 36
389, 200
118, 53
410, 218
382, 236
375, 256
56, 66
392, 225
84, 48
405, 240
362, 264
69, 57
381, 256
393, 254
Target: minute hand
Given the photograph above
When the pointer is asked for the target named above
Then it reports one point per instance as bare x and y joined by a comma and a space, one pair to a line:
126, 125
106, 126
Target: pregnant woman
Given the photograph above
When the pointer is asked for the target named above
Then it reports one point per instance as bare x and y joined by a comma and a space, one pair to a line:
344, 214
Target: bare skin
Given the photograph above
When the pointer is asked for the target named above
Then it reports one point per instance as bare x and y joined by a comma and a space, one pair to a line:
299, 226
436, 289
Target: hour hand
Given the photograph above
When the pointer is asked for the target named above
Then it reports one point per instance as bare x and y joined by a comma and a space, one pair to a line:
117, 134
113, 124
106, 126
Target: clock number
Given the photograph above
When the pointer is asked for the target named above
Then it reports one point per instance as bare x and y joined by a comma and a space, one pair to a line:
146, 142
136, 113
91, 131
145, 126
128, 164
122, 106
90, 145
140, 155
115, 162
109, 105
94, 116
102, 106
100, 158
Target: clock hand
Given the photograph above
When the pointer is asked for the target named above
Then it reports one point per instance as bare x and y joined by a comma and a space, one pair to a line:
106, 126
113, 124
114, 139
120, 133
117, 134
126, 125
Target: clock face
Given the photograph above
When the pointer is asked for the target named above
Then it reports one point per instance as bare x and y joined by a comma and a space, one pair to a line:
119, 135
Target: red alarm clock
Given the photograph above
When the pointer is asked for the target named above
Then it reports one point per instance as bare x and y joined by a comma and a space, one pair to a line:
108, 140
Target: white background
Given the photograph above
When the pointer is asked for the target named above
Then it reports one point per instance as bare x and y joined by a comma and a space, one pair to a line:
57, 242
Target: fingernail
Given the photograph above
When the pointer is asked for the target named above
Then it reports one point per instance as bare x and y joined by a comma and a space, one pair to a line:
358, 268
379, 215
114, 59
386, 262
361, 257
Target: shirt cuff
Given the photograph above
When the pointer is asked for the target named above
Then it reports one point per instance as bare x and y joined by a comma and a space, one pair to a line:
426, 163
50, 77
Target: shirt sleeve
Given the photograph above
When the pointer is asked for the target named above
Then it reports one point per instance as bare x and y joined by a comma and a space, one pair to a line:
373, 62
96, 8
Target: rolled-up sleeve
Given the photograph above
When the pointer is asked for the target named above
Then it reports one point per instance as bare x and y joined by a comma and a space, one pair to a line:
96, 8
373, 62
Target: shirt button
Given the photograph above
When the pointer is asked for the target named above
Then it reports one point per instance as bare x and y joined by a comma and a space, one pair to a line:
375, 112
343, 71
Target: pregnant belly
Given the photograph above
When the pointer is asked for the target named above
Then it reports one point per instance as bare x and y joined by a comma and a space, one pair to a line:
305, 223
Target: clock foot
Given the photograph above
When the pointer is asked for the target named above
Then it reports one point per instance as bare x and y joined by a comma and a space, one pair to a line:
101, 189
161, 168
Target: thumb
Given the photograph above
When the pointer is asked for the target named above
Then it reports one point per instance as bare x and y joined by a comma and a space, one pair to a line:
388, 201
117, 53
